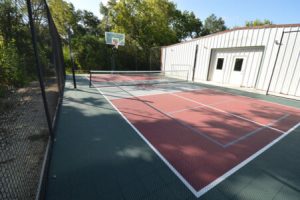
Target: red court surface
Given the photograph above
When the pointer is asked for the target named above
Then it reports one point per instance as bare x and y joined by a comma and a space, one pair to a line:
204, 136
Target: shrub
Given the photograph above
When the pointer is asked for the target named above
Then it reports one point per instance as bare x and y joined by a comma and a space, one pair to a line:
11, 66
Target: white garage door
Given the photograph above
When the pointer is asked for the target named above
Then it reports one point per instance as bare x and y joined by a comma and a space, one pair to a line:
236, 66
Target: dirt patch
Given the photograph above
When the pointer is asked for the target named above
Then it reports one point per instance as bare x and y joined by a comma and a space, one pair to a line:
23, 140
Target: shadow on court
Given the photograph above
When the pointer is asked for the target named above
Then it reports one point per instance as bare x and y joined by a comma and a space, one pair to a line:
97, 155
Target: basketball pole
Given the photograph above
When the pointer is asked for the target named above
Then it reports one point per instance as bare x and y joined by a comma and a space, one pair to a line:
114, 39
113, 60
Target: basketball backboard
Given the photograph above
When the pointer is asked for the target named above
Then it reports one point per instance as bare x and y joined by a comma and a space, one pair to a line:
115, 38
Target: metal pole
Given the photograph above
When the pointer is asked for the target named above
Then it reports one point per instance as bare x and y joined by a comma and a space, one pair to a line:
195, 63
90, 78
267, 92
39, 67
113, 61
150, 60
135, 59
72, 60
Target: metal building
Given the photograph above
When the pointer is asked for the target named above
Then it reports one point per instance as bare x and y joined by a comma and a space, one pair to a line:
263, 59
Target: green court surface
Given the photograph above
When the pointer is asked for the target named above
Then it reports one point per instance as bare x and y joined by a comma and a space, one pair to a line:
97, 155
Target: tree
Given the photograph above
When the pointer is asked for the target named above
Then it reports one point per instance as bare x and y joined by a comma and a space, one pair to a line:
147, 24
63, 14
86, 33
106, 12
213, 24
16, 59
11, 73
10, 20
187, 25
91, 52
150, 22
258, 22
87, 23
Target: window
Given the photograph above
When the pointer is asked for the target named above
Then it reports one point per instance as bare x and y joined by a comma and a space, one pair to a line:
238, 64
220, 63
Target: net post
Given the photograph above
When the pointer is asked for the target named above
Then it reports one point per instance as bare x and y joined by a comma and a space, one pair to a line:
90, 83
163, 73
187, 75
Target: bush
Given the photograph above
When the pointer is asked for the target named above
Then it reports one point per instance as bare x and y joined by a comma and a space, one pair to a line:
11, 66
90, 52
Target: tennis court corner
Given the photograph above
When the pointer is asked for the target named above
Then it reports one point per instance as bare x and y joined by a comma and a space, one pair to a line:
98, 155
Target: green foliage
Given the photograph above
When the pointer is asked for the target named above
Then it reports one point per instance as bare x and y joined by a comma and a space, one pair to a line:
212, 24
10, 71
87, 46
88, 23
258, 22
150, 22
9, 20
16, 57
17, 60
146, 24
67, 58
63, 14
187, 25
90, 52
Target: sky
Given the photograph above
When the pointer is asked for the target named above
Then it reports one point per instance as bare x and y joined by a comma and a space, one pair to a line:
234, 12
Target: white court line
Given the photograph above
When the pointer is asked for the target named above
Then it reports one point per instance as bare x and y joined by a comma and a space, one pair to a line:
218, 180
255, 131
182, 110
158, 91
238, 139
176, 120
186, 109
270, 102
217, 109
242, 164
187, 126
197, 131
183, 180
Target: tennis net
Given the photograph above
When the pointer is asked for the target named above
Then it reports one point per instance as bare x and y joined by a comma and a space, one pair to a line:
128, 78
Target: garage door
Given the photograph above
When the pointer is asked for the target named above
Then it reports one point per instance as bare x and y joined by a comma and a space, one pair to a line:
235, 66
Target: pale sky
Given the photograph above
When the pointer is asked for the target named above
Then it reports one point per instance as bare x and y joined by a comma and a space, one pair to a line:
234, 12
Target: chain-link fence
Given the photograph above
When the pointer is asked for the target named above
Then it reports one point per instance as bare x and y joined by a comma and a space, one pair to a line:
128, 57
31, 85
155, 58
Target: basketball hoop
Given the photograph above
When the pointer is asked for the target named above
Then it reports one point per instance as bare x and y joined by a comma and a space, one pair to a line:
116, 40
116, 44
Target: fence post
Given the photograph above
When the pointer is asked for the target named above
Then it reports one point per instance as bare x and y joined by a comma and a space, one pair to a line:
195, 63
38, 66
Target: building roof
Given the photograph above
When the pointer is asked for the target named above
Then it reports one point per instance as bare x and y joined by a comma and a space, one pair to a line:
236, 29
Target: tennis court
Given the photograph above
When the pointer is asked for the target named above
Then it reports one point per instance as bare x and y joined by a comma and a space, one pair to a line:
203, 135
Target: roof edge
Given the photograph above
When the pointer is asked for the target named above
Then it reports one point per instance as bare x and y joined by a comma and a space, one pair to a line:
237, 29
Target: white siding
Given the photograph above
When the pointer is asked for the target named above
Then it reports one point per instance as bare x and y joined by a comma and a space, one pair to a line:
285, 75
